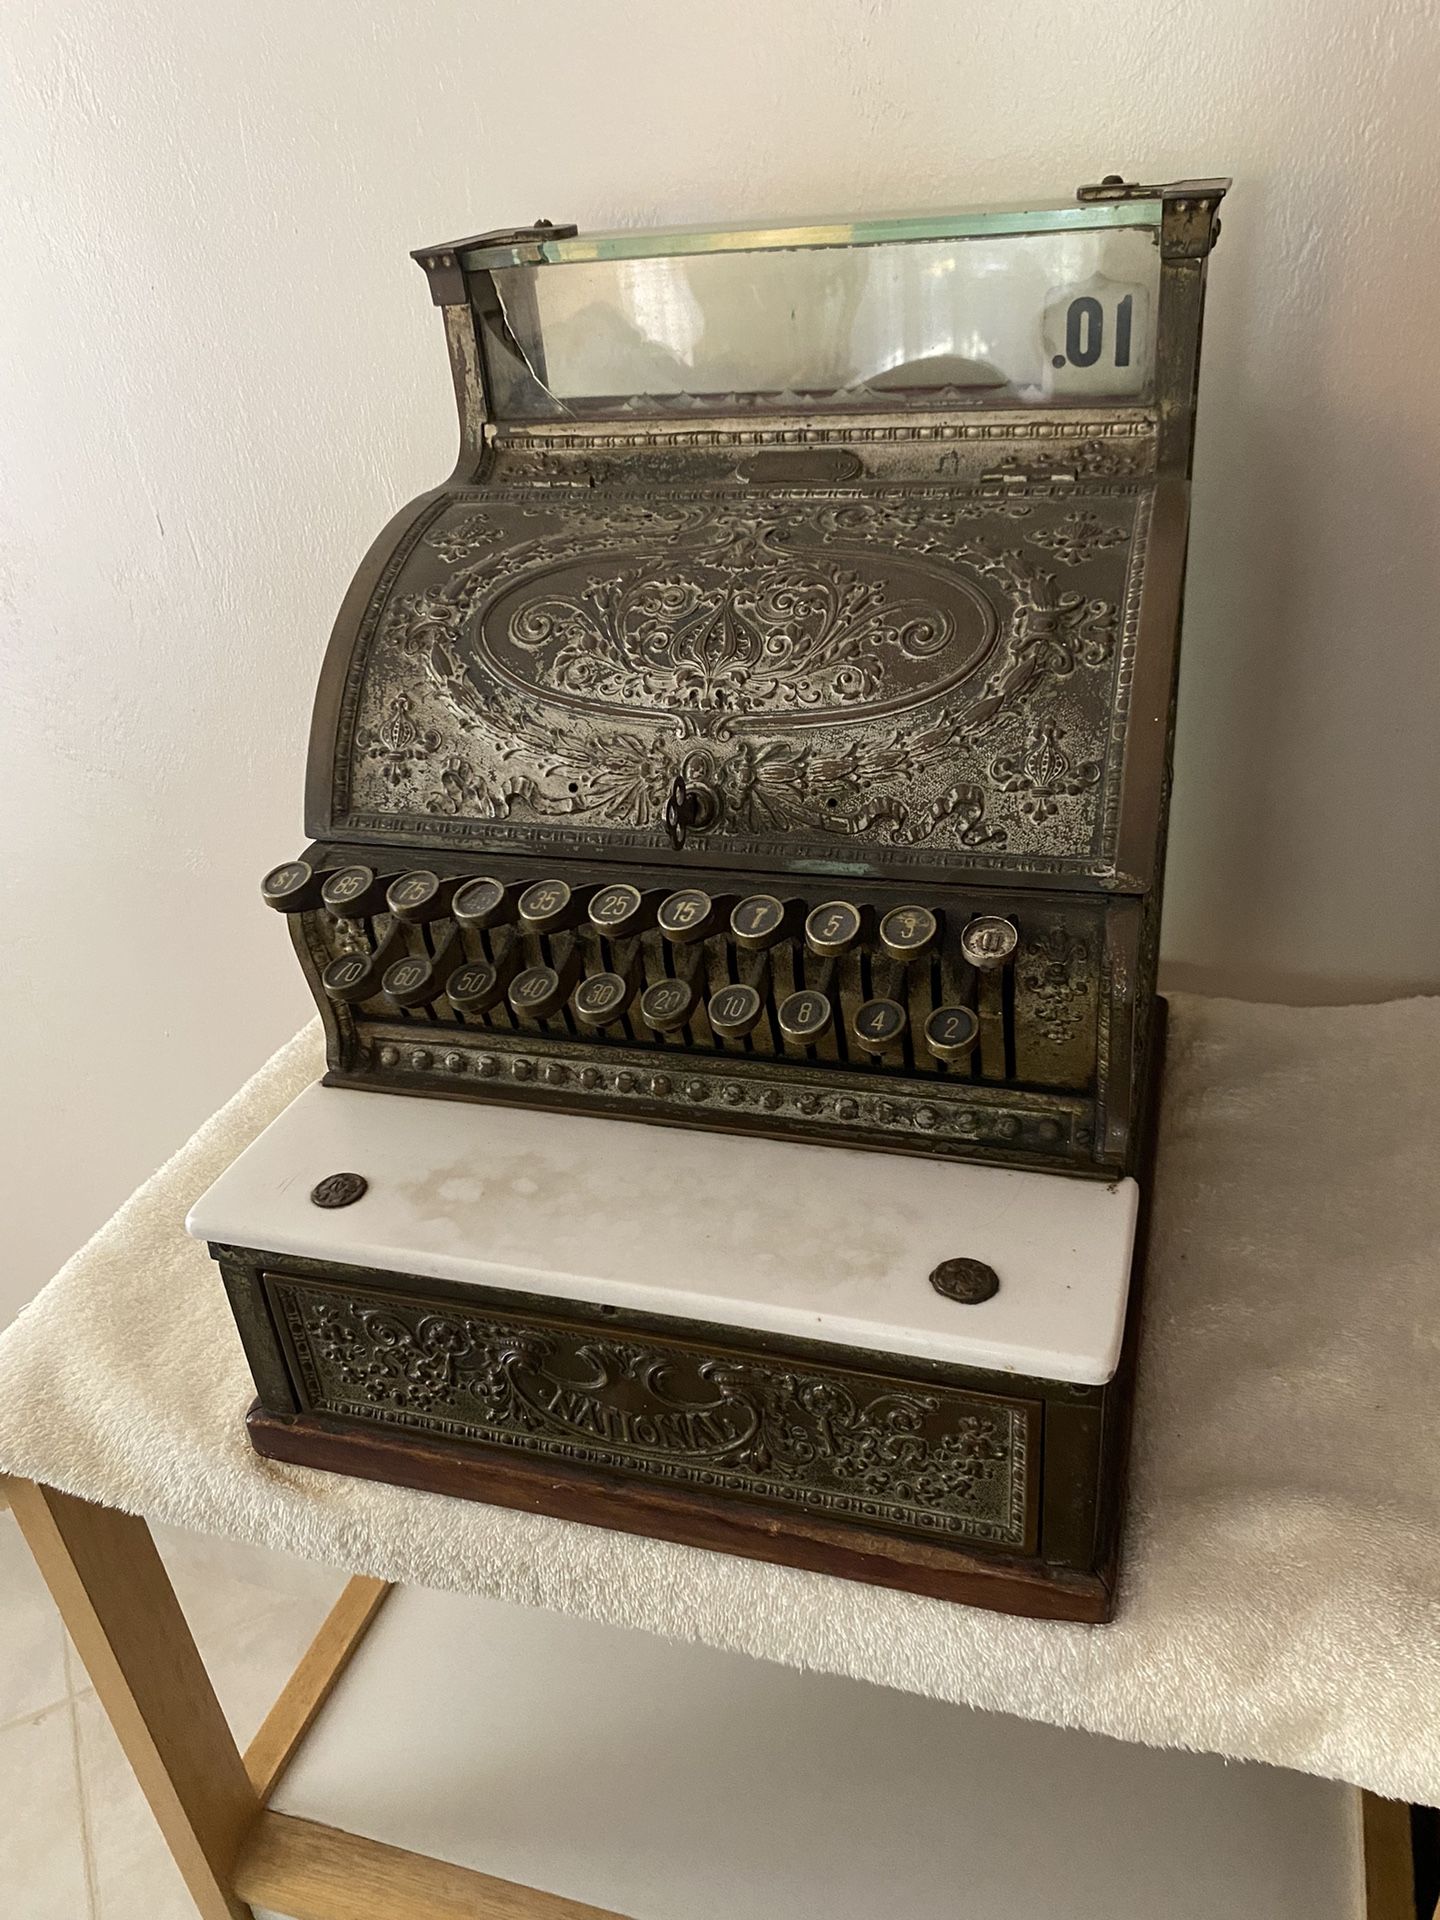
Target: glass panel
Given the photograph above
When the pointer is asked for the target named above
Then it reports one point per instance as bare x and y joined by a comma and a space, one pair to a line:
637, 243
1022, 320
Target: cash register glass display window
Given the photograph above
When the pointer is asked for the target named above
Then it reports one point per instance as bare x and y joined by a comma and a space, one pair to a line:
984, 319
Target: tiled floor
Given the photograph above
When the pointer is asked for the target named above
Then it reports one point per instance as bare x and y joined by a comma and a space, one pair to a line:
77, 1841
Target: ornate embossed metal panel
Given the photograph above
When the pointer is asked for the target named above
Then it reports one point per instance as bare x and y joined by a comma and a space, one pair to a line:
909, 1456
790, 580
857, 674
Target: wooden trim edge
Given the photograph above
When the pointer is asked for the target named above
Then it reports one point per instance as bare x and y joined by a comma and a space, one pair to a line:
728, 1526
1389, 1858
298, 1704
315, 1872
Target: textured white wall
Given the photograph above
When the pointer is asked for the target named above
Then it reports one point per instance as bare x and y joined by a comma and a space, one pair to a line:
221, 373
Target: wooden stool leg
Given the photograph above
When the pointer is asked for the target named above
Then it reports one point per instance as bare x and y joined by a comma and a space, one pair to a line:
116, 1599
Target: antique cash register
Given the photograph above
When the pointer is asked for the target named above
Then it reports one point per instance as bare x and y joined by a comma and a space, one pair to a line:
737, 805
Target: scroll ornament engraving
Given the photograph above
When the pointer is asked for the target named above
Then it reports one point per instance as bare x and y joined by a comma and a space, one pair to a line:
750, 628
1056, 975
827, 1438
722, 619
398, 743
1076, 539
1042, 772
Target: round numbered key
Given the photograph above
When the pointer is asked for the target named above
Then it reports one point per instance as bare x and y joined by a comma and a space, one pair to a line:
805, 1017
416, 896
757, 922
546, 906
601, 999
989, 941
482, 903
350, 892
409, 982
536, 993
292, 888
618, 910
735, 1010
350, 977
834, 927
879, 1024
666, 1005
687, 915
951, 1033
907, 932
474, 987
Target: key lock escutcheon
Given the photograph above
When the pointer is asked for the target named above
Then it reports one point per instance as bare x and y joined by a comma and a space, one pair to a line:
692, 808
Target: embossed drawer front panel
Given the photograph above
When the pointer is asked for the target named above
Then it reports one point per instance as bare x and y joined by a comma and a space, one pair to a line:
890, 676
913, 1457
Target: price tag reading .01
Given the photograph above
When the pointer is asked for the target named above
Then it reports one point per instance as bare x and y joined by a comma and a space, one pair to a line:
1097, 338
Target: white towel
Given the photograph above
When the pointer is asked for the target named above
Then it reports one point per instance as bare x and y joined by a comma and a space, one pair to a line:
1281, 1594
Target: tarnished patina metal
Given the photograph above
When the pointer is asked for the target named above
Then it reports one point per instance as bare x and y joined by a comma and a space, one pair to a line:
911, 651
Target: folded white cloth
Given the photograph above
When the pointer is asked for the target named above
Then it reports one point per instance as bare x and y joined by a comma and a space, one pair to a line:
1281, 1599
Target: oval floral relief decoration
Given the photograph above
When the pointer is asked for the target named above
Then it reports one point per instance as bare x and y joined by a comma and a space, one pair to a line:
824, 665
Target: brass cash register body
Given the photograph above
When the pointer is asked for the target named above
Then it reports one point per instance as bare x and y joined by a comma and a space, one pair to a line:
904, 645
766, 728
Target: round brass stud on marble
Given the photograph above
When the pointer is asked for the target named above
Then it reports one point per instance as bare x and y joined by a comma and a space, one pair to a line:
989, 942
968, 1281
339, 1190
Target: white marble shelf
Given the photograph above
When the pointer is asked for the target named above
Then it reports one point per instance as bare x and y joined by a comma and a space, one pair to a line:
821, 1243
